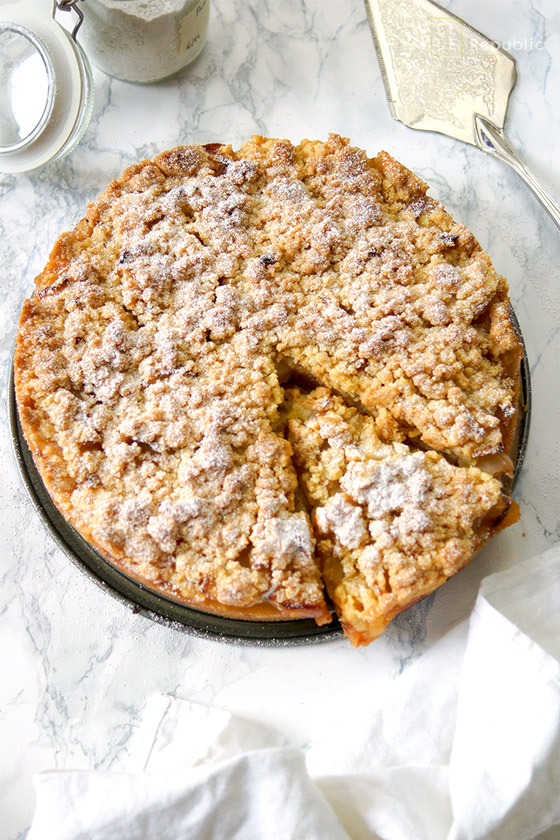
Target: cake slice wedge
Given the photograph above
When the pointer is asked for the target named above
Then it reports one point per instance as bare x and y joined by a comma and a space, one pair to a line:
392, 523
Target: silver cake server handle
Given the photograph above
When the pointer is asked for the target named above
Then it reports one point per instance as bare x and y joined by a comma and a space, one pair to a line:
491, 140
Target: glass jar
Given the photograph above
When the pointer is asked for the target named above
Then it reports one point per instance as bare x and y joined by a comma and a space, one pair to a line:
144, 40
46, 88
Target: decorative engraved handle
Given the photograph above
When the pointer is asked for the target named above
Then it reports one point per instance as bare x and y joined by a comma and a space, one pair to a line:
491, 139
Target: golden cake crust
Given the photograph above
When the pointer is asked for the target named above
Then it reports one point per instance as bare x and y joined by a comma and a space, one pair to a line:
152, 360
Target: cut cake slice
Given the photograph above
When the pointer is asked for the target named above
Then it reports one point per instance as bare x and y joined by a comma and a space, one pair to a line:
391, 523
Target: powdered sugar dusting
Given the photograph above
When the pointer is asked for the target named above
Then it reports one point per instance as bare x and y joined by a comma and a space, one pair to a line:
387, 486
344, 520
151, 357
284, 540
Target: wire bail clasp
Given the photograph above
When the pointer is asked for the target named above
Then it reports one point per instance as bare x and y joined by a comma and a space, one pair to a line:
69, 6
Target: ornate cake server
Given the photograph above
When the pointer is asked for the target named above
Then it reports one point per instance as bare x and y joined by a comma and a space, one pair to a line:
442, 75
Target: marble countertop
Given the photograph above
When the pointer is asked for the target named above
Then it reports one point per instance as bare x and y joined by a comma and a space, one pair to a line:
78, 666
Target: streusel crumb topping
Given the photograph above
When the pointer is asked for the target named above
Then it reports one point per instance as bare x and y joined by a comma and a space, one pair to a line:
152, 362
391, 524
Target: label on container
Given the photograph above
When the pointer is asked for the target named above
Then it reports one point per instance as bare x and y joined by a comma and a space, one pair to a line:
192, 27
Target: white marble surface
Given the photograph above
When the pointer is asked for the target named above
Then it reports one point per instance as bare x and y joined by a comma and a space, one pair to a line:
76, 666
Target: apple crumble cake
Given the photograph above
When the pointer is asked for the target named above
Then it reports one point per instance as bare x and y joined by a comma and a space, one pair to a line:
247, 376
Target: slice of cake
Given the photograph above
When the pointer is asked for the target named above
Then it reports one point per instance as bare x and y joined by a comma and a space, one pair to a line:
391, 523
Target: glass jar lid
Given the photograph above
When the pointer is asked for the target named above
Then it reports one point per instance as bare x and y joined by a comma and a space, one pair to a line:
46, 87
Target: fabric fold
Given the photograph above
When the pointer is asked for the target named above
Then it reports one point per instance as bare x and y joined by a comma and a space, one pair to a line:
464, 746
505, 763
263, 795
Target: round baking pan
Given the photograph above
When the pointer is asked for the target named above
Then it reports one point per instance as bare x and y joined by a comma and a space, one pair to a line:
141, 599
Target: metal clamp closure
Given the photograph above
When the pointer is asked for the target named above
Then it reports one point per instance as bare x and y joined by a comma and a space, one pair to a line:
70, 6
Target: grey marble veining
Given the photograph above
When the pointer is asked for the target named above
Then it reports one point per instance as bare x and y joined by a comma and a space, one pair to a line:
77, 667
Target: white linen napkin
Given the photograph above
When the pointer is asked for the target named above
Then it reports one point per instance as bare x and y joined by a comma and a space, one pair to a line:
466, 746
